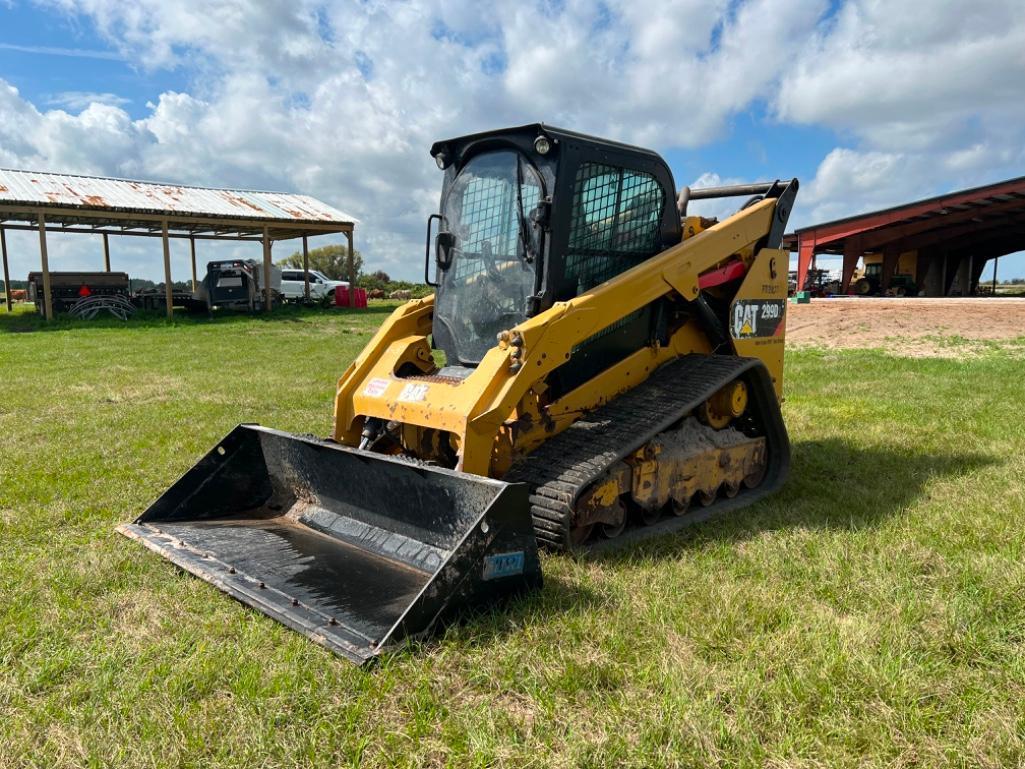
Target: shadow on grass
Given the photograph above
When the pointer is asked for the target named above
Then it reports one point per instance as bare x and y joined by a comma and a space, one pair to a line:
481, 627
832, 484
26, 322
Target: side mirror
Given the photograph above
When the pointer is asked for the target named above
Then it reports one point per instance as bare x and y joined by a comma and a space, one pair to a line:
443, 245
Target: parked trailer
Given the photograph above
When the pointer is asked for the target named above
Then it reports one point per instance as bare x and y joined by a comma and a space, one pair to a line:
66, 288
237, 284
156, 299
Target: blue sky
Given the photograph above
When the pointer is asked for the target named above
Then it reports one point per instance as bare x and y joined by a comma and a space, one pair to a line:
47, 53
868, 104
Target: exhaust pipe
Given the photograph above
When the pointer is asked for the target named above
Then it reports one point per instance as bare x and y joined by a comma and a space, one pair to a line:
357, 551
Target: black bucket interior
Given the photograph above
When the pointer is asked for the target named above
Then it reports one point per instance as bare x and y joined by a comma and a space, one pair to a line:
353, 549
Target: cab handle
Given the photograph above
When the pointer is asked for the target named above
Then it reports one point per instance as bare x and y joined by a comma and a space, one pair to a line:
427, 250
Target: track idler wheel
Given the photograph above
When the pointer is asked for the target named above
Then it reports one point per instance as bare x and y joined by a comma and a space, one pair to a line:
754, 479
581, 534
609, 531
645, 515
679, 507
613, 530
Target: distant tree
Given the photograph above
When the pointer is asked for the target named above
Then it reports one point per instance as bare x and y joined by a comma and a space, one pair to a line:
333, 261
377, 279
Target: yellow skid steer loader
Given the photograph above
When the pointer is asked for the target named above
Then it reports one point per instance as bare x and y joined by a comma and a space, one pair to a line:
612, 368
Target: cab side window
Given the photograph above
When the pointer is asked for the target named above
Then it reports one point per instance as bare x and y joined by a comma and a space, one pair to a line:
614, 223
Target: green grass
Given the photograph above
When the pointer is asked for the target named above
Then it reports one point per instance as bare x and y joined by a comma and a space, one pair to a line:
871, 614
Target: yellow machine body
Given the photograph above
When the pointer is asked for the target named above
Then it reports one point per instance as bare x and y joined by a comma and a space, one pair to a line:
499, 413
636, 368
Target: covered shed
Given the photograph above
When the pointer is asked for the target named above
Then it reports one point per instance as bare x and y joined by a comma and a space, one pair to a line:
49, 202
941, 243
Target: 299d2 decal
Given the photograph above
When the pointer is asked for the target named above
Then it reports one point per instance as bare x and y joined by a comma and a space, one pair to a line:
750, 318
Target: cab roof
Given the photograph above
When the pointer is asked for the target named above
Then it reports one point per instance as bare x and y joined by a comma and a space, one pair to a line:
534, 129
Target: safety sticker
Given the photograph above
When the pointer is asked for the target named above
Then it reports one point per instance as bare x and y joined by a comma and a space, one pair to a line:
503, 565
757, 317
375, 387
413, 393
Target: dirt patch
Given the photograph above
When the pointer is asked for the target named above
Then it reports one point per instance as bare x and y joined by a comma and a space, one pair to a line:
916, 327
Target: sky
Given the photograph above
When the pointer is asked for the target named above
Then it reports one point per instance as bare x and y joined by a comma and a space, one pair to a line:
870, 103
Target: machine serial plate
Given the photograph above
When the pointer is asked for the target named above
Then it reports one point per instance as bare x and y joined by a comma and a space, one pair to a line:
503, 565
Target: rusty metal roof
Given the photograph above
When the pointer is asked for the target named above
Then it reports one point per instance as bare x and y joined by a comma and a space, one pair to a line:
100, 194
1001, 204
976, 224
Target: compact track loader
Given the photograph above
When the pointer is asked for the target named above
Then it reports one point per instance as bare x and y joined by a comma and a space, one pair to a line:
594, 361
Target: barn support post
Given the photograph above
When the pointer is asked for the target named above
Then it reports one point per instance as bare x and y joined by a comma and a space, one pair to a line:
996, 260
7, 273
979, 267
266, 269
891, 255
851, 254
951, 271
805, 257
306, 268
192, 253
47, 295
168, 288
923, 274
106, 253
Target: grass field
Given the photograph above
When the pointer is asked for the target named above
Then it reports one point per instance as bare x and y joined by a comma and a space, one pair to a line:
871, 614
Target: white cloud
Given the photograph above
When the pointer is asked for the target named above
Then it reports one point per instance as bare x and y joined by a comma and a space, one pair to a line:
932, 98
77, 53
342, 99
101, 139
77, 101
280, 34
889, 71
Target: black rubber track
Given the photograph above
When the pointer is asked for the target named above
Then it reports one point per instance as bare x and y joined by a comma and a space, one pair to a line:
562, 468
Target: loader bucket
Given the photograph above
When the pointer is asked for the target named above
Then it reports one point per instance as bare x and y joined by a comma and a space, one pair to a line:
355, 550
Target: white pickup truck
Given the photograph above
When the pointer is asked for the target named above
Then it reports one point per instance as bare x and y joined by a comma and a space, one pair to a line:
293, 287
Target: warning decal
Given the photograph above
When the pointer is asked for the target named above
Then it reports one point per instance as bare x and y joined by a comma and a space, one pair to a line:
375, 387
756, 317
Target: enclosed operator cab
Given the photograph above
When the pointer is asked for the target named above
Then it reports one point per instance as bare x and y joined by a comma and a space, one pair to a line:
534, 215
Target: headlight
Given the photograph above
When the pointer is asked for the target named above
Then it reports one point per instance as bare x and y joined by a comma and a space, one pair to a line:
542, 145
441, 160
